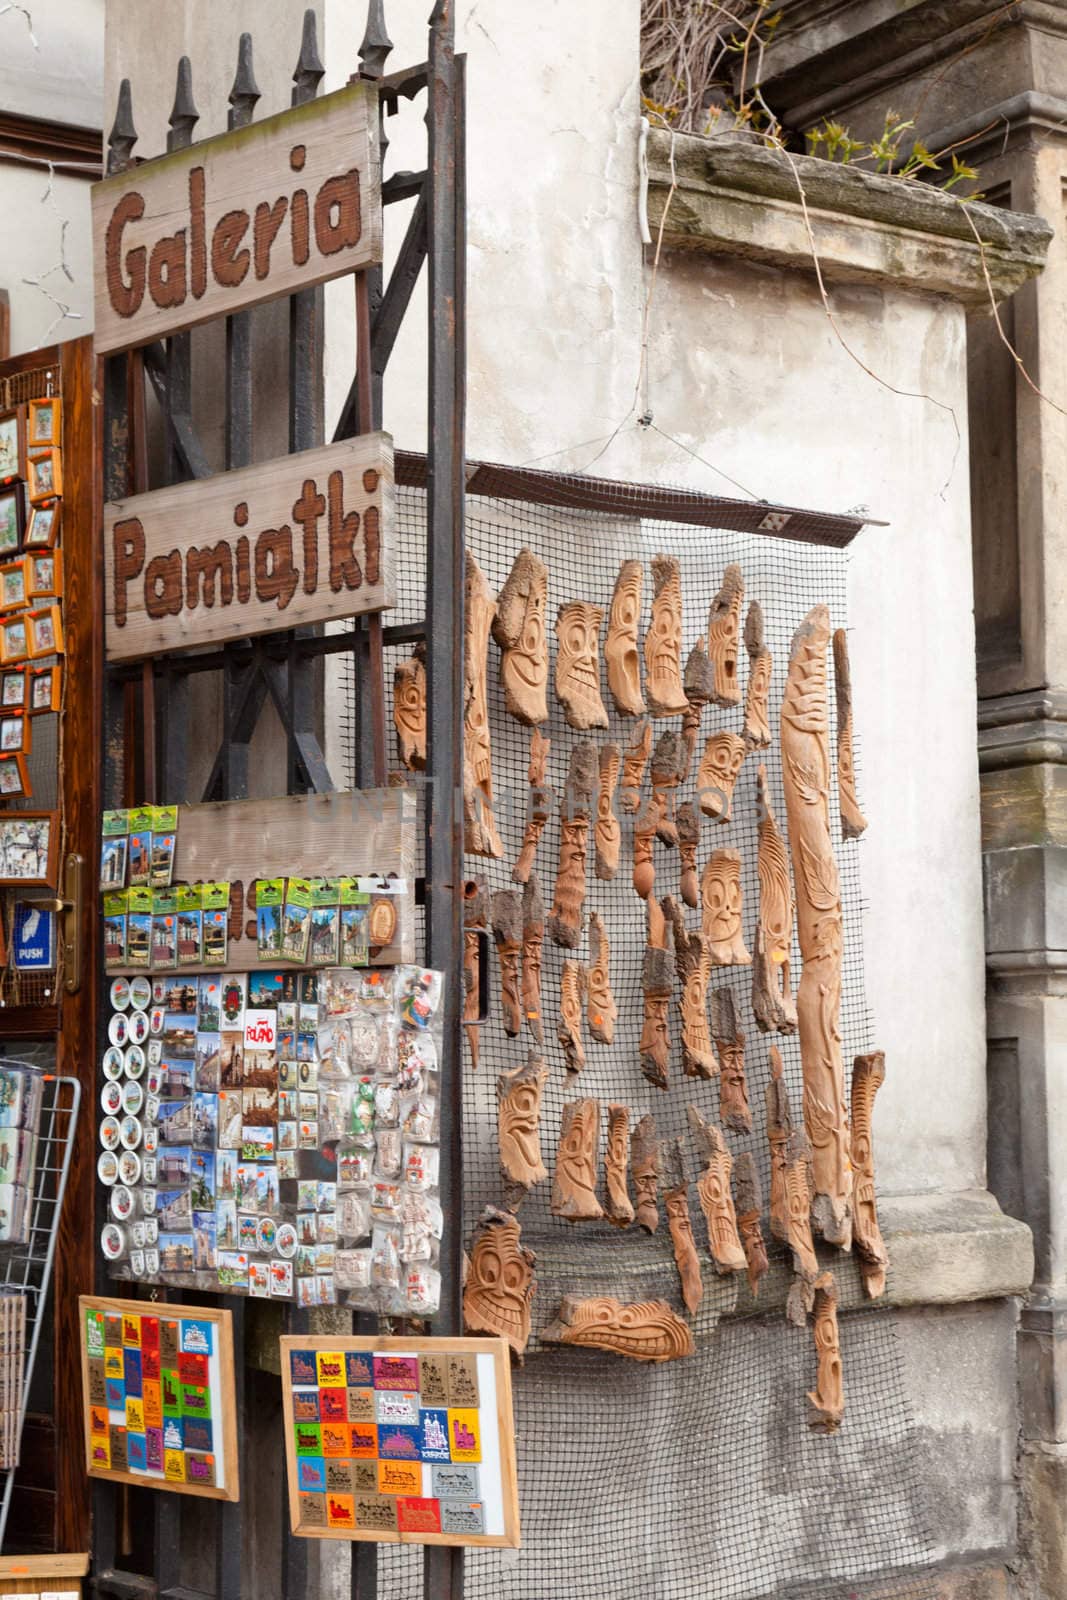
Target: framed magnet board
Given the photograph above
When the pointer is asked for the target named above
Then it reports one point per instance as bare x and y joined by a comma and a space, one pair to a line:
400, 1440
158, 1389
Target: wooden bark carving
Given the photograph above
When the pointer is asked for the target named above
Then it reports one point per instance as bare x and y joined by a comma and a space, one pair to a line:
663, 642
713, 1192
409, 709
646, 1331
666, 773
578, 665
806, 775
826, 1402
573, 981
620, 648
644, 1168
618, 1207
721, 903
692, 963
779, 1128
853, 822
757, 694
499, 1287
533, 935
720, 764
541, 798
688, 842
679, 1222
519, 630
565, 919
698, 683
634, 761
602, 1010
748, 1203
607, 834
730, 1043
655, 1045
475, 918
480, 836
798, 1193
644, 870
518, 1094
868, 1075
574, 1184
772, 1000
507, 936
724, 634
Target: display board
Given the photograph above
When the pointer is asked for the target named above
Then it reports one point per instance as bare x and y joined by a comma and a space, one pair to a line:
158, 1391
400, 1440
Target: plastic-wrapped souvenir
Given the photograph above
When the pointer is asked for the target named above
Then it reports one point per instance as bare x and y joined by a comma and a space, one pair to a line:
418, 992
385, 1260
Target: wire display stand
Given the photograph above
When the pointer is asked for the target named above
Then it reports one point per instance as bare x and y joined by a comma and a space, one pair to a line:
27, 1269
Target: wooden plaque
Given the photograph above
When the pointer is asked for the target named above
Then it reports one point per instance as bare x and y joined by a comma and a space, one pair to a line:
305, 538
255, 213
158, 1393
428, 1456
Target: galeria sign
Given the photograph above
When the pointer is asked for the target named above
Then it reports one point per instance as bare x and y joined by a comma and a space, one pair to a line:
258, 212
301, 539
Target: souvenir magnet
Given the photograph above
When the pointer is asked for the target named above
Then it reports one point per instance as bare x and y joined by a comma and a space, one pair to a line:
138, 1026
130, 1132
132, 1096
140, 993
111, 1098
113, 1062
109, 1133
130, 1167
134, 1061
113, 1242
122, 1204
120, 994
118, 1028
107, 1167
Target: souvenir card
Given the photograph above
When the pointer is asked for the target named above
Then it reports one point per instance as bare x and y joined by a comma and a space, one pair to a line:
215, 926
231, 1119
209, 1003
112, 863
140, 857
324, 940
115, 903
42, 530
139, 927
234, 993
355, 931
296, 923
190, 926
208, 1057
161, 860
164, 928
270, 899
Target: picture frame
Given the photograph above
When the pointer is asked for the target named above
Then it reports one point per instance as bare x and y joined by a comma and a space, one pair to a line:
45, 689
44, 475
43, 528
29, 846
44, 632
44, 574
12, 585
12, 444
13, 689
14, 639
16, 735
14, 779
45, 422
12, 519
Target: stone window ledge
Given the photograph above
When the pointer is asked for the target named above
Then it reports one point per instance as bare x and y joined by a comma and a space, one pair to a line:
738, 199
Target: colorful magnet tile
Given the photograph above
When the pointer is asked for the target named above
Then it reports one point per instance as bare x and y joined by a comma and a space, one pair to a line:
464, 1435
399, 1443
433, 1436
312, 1511
199, 1434
417, 1515
333, 1406
362, 1440
340, 1511
306, 1404
463, 1381
399, 1477
311, 1474
393, 1406
335, 1438
197, 1338
200, 1469
359, 1371
308, 1437
330, 1369
174, 1466
376, 1513
455, 1482
397, 1372
433, 1385
360, 1405
458, 1516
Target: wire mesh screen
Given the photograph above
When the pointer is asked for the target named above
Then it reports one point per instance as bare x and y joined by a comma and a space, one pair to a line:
699, 1477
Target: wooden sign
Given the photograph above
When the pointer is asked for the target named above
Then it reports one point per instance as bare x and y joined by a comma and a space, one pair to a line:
158, 1389
405, 1441
303, 539
255, 213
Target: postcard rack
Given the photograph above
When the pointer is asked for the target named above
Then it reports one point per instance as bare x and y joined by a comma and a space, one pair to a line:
27, 1269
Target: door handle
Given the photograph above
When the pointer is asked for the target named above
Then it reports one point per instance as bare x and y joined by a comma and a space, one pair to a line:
69, 905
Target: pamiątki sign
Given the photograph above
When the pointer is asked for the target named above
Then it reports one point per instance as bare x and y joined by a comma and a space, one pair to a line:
264, 210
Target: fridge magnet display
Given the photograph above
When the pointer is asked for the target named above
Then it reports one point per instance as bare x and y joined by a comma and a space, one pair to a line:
405, 1441
44, 475
43, 529
13, 689
46, 689
45, 632
45, 422
14, 778
158, 1388
44, 575
13, 443
13, 640
12, 585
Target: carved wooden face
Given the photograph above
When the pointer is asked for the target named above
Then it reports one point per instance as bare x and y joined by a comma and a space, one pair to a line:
409, 700
527, 660
721, 897
664, 636
519, 1116
500, 1284
577, 664
620, 650
576, 1155
724, 630
759, 687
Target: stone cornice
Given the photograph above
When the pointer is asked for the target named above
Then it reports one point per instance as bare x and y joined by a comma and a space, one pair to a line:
731, 197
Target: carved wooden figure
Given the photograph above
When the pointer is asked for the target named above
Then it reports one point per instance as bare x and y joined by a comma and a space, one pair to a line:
645, 1331
779, 1128
518, 1095
644, 868
826, 1402
607, 834
688, 820
500, 1285
620, 648
868, 1075
853, 822
666, 774
663, 642
644, 1168
574, 1184
634, 761
578, 665
713, 1191
519, 630
541, 798
618, 1208
720, 764
772, 999
475, 919
806, 776
409, 709
573, 982
533, 935
676, 1202
730, 1043
798, 1193
699, 684
479, 825
757, 693
724, 635
602, 1010
655, 1045
507, 936
692, 963
748, 1204
721, 903
565, 918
